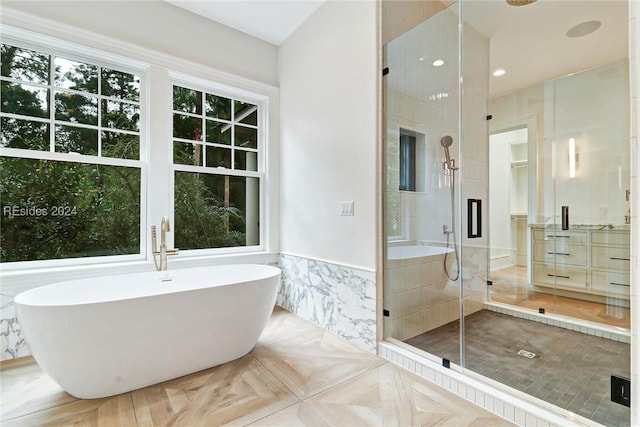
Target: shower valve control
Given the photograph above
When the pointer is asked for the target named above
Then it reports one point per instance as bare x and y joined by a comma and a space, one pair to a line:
445, 229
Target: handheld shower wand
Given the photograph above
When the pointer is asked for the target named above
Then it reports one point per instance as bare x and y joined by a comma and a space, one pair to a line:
449, 165
446, 142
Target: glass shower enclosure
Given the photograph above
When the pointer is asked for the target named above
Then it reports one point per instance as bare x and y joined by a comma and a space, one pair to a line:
506, 203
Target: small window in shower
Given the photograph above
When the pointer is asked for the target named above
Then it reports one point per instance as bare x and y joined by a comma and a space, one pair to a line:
407, 162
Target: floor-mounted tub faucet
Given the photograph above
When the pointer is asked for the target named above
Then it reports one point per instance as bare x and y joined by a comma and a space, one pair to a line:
163, 252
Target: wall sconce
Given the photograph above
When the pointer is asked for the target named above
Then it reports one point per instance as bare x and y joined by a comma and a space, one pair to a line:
572, 158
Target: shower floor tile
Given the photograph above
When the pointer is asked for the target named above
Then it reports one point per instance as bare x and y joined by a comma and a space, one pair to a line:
570, 369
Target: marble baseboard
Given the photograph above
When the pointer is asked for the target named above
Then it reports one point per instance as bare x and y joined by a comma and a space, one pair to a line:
338, 298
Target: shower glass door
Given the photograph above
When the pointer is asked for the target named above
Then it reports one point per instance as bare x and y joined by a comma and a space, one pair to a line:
581, 242
506, 201
555, 323
422, 292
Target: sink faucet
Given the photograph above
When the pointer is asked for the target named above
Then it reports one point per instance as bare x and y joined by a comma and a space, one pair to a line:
163, 252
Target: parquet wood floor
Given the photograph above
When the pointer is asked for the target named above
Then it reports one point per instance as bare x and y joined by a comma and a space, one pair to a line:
297, 375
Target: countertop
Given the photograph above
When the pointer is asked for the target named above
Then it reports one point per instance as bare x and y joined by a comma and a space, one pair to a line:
577, 227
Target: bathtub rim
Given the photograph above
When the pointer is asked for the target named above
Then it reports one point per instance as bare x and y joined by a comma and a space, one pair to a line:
441, 250
22, 298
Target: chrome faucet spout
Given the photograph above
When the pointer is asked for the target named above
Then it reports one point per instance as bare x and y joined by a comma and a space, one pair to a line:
163, 252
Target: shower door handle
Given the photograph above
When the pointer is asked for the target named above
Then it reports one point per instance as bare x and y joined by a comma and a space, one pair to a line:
565, 217
474, 218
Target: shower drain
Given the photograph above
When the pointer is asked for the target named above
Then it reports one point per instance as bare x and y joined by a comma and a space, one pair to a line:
527, 354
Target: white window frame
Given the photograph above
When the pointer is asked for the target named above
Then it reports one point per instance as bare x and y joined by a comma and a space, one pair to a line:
156, 70
71, 51
224, 90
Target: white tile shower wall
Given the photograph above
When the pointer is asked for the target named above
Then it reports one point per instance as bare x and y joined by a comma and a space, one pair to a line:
428, 107
338, 298
418, 306
420, 297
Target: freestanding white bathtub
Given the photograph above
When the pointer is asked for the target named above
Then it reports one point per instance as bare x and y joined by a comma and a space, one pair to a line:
104, 336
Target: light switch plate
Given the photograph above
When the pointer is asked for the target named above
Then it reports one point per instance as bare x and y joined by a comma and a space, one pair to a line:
346, 208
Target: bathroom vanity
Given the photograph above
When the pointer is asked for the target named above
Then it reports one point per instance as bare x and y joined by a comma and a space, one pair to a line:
589, 262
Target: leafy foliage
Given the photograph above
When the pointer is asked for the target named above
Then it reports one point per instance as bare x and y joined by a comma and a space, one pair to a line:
201, 220
63, 209
66, 210
56, 209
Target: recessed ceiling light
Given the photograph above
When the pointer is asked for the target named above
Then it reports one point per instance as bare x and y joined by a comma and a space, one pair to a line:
583, 29
421, 59
438, 63
499, 72
520, 2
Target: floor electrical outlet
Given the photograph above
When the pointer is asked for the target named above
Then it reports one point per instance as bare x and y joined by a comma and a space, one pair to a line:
621, 390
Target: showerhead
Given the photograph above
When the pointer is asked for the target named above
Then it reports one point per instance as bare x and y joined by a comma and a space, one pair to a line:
446, 141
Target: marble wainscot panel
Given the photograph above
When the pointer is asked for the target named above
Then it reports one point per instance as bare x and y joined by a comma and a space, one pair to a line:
338, 298
12, 344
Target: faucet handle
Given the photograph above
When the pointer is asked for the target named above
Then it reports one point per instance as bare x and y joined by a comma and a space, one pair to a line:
165, 225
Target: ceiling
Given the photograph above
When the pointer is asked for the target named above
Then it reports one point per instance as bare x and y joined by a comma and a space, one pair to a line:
269, 20
529, 42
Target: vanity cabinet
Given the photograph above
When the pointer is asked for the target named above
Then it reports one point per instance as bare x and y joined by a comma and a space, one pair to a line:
593, 262
560, 258
610, 263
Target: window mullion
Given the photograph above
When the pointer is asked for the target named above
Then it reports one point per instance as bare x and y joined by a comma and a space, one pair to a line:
67, 157
99, 111
52, 105
24, 82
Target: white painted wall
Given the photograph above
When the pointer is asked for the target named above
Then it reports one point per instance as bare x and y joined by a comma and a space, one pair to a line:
598, 120
499, 206
327, 73
507, 194
163, 27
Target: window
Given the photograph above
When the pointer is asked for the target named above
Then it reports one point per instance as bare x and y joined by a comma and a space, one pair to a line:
407, 162
217, 169
70, 142
77, 146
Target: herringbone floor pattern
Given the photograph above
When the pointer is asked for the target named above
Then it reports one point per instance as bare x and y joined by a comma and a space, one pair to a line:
297, 375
